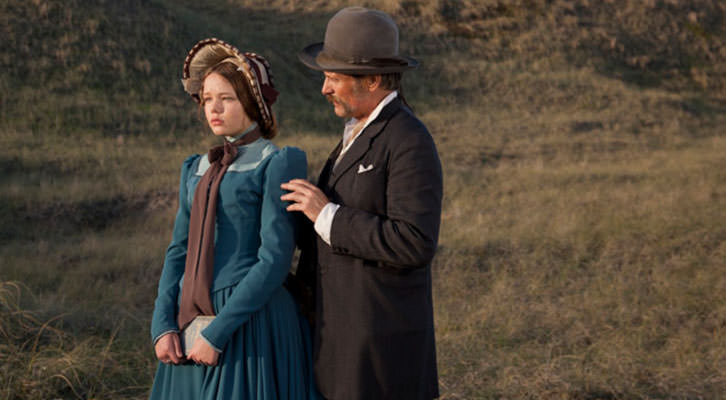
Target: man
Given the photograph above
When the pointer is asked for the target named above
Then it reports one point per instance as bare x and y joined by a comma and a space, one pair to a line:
376, 211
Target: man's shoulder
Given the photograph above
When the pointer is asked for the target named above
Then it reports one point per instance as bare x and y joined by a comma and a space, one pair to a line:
404, 126
403, 113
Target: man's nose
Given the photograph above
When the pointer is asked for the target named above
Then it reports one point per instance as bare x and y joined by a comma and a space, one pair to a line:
326, 89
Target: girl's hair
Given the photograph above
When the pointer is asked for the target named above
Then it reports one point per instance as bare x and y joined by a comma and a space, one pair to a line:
229, 71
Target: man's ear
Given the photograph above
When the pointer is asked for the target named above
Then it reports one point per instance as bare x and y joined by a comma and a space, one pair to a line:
373, 82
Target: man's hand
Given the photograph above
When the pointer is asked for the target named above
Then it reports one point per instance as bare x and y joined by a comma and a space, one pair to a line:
168, 349
202, 353
306, 197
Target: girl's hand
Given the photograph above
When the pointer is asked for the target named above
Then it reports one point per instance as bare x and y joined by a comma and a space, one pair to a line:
202, 353
168, 349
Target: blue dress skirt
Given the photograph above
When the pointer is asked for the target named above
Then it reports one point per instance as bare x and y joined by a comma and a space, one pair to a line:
261, 361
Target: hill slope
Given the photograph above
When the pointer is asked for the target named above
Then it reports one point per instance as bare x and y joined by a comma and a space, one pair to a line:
583, 241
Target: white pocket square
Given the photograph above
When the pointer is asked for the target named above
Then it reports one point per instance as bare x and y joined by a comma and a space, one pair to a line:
362, 169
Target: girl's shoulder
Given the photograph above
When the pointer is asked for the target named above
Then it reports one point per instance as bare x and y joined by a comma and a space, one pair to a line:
189, 164
288, 158
290, 154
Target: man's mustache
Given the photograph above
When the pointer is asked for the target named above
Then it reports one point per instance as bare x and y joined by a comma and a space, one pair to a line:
336, 101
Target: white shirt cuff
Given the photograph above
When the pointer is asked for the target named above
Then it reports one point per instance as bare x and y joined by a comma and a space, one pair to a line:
324, 223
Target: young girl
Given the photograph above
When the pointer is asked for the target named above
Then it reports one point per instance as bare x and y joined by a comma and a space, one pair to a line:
231, 247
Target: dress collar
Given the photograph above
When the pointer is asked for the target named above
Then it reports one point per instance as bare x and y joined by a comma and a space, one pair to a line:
248, 130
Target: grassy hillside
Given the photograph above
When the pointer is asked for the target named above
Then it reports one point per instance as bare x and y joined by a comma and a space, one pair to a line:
583, 238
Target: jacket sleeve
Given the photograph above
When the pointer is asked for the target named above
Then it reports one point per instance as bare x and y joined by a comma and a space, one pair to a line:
274, 257
407, 235
165, 307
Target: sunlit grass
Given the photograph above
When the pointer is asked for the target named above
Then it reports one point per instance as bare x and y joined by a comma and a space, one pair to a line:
586, 278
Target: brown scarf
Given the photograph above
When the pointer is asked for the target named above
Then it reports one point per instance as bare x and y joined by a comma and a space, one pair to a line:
199, 267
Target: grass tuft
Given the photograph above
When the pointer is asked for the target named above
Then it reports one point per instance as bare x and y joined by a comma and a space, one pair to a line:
41, 360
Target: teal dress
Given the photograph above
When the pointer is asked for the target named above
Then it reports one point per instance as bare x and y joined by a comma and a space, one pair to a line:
263, 339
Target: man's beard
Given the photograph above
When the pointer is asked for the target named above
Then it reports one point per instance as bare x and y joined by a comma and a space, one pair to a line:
347, 109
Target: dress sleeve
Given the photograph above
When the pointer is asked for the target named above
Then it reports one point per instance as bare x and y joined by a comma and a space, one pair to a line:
165, 307
274, 257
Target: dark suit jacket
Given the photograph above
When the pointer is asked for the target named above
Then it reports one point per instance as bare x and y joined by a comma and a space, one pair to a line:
374, 331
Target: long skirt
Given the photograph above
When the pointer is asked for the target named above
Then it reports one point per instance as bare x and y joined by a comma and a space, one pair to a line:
267, 358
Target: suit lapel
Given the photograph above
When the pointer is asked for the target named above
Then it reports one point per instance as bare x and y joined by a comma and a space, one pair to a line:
328, 167
362, 143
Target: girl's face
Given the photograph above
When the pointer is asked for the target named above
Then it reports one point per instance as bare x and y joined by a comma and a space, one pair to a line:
224, 112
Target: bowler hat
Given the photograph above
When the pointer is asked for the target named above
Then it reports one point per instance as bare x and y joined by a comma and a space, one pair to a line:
358, 41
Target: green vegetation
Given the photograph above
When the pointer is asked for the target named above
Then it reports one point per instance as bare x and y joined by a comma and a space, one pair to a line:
583, 244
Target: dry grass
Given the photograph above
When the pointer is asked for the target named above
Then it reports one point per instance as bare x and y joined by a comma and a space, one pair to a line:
587, 279
583, 241
41, 360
